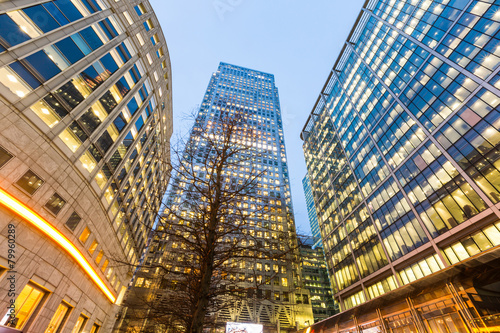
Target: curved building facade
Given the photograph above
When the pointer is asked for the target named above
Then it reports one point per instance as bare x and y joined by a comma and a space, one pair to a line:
86, 118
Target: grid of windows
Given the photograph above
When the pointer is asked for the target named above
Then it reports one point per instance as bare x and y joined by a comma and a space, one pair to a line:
406, 131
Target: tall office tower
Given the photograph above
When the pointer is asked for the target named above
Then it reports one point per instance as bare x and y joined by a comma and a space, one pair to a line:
85, 108
316, 280
254, 223
311, 212
402, 148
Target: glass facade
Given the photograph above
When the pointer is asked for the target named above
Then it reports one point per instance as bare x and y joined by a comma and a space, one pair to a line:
403, 145
311, 212
316, 280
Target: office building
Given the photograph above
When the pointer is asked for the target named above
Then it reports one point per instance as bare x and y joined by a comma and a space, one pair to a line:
402, 150
316, 280
311, 212
271, 285
86, 118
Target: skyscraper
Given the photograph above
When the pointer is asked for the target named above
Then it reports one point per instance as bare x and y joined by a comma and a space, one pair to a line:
85, 108
311, 212
259, 270
402, 149
316, 280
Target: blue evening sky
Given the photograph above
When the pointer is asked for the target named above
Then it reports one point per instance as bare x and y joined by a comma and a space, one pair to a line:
297, 41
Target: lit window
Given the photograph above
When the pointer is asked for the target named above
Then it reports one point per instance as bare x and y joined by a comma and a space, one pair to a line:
140, 39
25, 306
127, 16
99, 257
58, 319
70, 139
80, 324
88, 161
93, 247
101, 179
12, 81
30, 182
84, 235
105, 265
46, 113
95, 328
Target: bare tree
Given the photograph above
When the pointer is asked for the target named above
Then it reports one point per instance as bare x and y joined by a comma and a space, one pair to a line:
226, 233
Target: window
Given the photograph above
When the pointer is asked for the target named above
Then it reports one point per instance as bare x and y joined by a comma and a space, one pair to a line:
105, 265
73, 221
58, 319
30, 182
5, 156
95, 328
84, 235
127, 16
140, 39
26, 305
55, 204
140, 9
148, 25
99, 257
93, 246
80, 324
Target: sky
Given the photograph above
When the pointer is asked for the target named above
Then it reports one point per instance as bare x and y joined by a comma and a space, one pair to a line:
297, 41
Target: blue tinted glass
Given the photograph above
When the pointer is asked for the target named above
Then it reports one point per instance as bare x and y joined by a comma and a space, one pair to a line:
91, 38
106, 30
2, 48
25, 74
84, 47
122, 55
56, 13
10, 32
153, 41
109, 63
120, 122
143, 94
137, 10
70, 50
43, 65
132, 106
69, 10
41, 18
135, 74
90, 6
139, 123
91, 77
111, 27
123, 86
146, 26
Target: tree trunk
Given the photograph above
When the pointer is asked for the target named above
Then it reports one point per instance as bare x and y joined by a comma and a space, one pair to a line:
207, 268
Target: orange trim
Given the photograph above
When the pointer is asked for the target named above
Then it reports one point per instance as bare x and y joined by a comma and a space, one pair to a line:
45, 227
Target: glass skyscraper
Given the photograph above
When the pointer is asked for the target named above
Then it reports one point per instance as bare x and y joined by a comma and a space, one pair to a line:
316, 280
279, 300
402, 150
311, 212
85, 109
